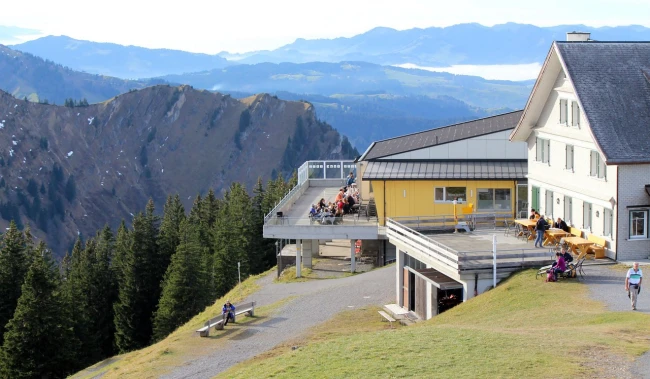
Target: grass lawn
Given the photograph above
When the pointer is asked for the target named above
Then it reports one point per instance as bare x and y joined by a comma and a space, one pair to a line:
523, 328
183, 344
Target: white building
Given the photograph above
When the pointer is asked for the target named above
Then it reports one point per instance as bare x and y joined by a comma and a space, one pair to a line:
587, 125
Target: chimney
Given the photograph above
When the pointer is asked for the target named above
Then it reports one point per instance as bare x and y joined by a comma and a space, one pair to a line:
578, 36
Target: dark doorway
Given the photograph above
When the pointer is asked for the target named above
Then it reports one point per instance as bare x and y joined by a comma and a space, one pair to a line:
448, 299
411, 291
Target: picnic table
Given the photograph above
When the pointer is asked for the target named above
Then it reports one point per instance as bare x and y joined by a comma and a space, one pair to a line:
528, 224
554, 235
578, 245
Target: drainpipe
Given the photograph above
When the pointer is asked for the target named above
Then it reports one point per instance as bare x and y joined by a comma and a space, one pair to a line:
615, 206
384, 202
475, 284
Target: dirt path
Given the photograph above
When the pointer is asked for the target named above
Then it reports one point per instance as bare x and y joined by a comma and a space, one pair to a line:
607, 284
315, 302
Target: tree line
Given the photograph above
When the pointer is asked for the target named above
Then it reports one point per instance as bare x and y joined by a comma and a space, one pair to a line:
118, 292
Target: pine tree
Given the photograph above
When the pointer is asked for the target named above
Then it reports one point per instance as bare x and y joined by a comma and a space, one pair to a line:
232, 238
39, 342
139, 283
168, 239
261, 254
106, 293
183, 284
13, 267
74, 295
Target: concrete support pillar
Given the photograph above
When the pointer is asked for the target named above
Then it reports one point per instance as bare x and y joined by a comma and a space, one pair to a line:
298, 260
353, 258
399, 277
306, 253
429, 305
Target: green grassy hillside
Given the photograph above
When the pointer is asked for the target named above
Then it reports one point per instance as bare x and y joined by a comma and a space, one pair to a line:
524, 328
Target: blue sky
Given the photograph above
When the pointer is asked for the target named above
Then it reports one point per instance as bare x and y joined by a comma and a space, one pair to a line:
240, 26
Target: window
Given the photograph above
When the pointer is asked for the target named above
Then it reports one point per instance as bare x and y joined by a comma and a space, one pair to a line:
548, 211
575, 114
494, 199
534, 203
638, 224
569, 158
586, 216
598, 168
563, 111
543, 149
607, 222
568, 209
444, 194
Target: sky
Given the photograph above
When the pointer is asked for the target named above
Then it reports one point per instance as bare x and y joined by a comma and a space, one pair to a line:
241, 26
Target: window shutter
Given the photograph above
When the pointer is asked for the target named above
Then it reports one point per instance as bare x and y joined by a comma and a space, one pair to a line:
592, 168
548, 152
566, 157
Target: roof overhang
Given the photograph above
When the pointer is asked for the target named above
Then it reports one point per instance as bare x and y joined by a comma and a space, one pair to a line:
537, 99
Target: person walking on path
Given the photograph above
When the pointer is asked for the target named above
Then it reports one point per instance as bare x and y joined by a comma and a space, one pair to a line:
228, 312
633, 283
540, 229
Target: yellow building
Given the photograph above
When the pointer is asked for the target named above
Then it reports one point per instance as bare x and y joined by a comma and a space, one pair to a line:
421, 174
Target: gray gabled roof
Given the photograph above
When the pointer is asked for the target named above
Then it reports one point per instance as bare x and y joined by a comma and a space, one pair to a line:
447, 169
612, 82
439, 136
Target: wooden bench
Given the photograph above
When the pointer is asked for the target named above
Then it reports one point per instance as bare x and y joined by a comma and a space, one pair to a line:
598, 248
388, 318
575, 232
218, 321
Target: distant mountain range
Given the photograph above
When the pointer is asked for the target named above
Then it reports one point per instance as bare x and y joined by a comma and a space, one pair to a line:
475, 44
363, 117
26, 76
127, 62
358, 78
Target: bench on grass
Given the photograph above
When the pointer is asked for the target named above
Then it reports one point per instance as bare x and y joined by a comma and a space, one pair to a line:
388, 318
218, 321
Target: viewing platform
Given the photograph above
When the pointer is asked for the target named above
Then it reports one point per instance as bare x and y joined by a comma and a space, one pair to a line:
319, 180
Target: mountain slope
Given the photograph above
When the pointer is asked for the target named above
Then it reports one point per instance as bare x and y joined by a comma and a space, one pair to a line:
509, 43
24, 75
128, 62
357, 78
148, 143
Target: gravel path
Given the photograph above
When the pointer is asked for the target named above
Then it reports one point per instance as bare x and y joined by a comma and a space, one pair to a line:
607, 284
316, 302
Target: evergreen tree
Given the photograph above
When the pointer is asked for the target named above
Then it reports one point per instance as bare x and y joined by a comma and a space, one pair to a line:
13, 267
74, 290
232, 238
168, 239
184, 282
39, 342
261, 254
105, 287
139, 283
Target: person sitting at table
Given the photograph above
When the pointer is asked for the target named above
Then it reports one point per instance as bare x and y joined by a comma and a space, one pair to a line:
532, 214
560, 224
321, 204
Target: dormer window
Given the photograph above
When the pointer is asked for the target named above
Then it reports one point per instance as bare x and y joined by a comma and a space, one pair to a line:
575, 114
563, 111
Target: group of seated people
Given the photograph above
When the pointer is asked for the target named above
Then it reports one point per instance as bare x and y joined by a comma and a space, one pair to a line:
343, 204
561, 260
559, 224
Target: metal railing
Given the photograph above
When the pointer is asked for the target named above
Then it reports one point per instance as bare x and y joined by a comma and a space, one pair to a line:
508, 259
285, 199
315, 170
346, 220
424, 244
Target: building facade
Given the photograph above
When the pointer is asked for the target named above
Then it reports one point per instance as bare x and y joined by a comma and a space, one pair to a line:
587, 128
